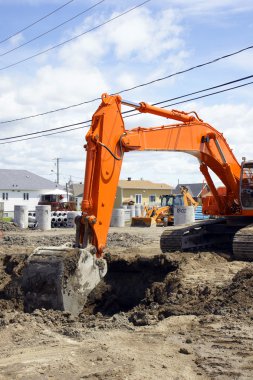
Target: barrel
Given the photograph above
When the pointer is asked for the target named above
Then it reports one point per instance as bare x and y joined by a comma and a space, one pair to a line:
183, 215
138, 210
43, 216
1, 210
21, 216
118, 217
132, 210
127, 215
71, 215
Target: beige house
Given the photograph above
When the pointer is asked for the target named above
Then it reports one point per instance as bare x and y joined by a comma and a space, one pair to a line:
140, 192
134, 191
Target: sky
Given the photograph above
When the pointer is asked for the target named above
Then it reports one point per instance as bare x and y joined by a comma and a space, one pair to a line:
154, 40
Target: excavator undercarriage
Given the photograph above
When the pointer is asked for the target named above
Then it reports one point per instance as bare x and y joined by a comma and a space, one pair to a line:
219, 235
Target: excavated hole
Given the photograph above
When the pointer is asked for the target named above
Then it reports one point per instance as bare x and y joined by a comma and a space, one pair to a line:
126, 283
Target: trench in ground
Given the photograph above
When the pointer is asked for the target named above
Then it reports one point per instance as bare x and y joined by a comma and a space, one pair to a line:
127, 282
124, 287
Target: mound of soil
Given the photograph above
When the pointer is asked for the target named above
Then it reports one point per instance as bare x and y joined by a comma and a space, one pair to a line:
237, 297
126, 240
4, 226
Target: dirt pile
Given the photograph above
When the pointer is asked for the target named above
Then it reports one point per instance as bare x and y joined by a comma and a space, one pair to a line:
11, 268
4, 226
126, 240
237, 297
25, 240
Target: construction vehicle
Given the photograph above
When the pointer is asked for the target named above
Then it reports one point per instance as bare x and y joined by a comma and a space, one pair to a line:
151, 214
61, 278
169, 202
163, 216
57, 201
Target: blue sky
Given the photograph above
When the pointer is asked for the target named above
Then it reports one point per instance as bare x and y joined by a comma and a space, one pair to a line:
153, 41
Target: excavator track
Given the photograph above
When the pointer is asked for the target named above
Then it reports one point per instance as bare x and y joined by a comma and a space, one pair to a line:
171, 240
210, 234
187, 238
243, 244
235, 239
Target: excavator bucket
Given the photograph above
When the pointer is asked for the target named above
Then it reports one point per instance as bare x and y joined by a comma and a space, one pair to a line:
141, 221
61, 278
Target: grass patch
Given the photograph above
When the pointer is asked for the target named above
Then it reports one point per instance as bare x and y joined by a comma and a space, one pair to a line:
7, 219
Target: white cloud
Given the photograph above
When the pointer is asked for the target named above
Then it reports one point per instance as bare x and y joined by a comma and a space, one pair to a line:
17, 39
137, 48
202, 7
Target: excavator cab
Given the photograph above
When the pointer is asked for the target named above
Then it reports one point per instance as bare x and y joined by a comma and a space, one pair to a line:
172, 200
246, 185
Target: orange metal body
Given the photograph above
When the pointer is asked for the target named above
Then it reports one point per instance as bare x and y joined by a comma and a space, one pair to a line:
107, 140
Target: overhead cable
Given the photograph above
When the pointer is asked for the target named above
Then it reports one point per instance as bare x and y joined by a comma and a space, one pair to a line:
123, 113
97, 99
47, 134
35, 22
75, 37
191, 99
51, 30
45, 130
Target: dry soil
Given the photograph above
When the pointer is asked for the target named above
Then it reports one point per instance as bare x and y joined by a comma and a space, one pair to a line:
177, 316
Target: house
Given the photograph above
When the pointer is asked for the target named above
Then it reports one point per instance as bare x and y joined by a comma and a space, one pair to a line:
197, 190
21, 187
77, 190
133, 191
140, 192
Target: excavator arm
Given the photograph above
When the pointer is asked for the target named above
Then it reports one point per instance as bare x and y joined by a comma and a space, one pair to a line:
108, 140
188, 199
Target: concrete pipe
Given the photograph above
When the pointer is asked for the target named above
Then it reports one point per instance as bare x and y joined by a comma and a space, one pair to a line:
21, 216
43, 214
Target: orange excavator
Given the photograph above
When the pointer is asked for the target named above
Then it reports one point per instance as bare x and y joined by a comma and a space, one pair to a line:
74, 272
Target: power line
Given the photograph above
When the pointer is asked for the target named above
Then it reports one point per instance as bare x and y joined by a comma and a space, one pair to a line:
130, 88
35, 22
73, 38
48, 134
50, 30
189, 100
45, 130
125, 112
212, 93
97, 99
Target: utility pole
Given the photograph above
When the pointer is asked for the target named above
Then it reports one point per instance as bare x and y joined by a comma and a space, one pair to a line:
57, 169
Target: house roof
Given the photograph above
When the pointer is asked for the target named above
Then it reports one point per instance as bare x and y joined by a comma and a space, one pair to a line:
142, 184
12, 179
194, 188
77, 189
